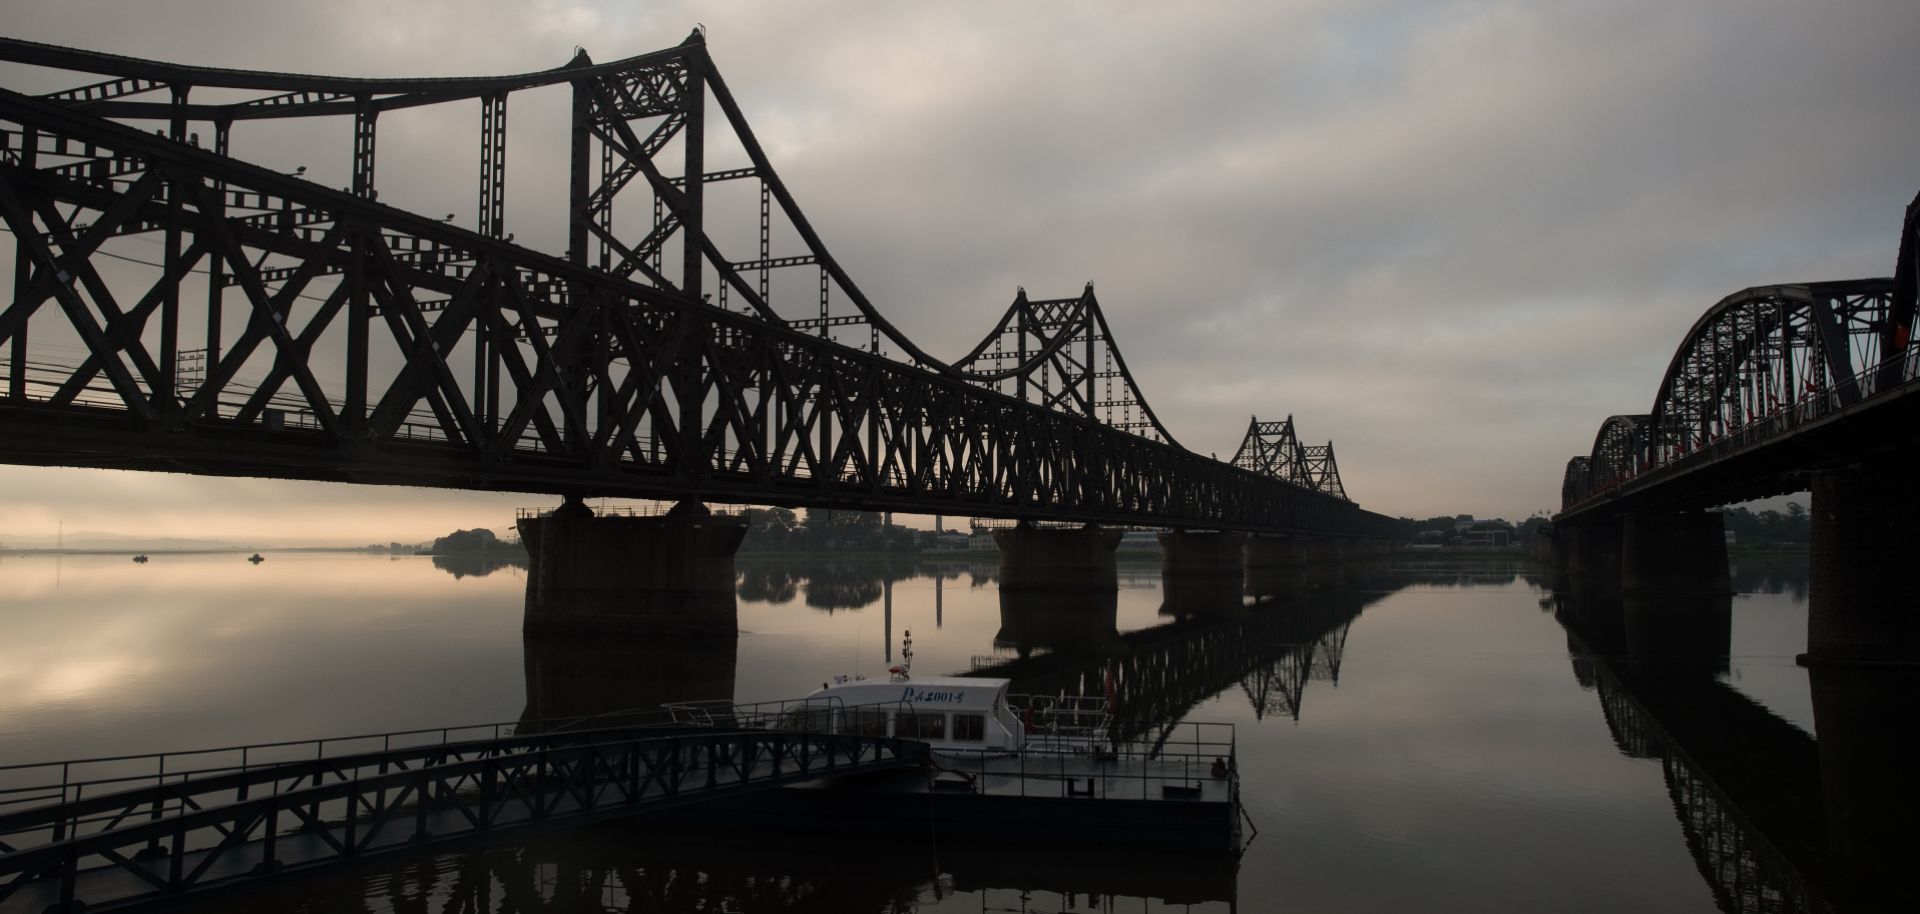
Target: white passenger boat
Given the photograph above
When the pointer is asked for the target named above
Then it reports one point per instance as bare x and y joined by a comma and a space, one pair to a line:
959, 714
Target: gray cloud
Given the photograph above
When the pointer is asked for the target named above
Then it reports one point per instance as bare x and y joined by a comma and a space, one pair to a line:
1452, 238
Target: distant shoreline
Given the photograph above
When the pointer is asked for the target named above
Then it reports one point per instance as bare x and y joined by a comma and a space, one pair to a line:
231, 550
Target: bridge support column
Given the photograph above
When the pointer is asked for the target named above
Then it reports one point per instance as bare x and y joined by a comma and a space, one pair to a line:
1680, 552
1276, 566
1061, 621
1201, 572
1321, 551
1593, 548
1860, 602
668, 575
1056, 558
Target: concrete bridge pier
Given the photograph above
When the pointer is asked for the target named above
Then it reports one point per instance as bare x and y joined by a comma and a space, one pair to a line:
1591, 548
1201, 572
1860, 602
670, 575
1275, 566
1057, 558
1325, 550
1061, 621
1678, 552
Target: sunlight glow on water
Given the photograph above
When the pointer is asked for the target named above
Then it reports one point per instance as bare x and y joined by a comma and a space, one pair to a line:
1443, 750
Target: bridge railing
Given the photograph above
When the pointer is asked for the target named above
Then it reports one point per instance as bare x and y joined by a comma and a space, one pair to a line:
1783, 420
41, 785
31, 784
177, 838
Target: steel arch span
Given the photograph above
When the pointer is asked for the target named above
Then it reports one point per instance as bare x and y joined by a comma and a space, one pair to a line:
177, 308
1771, 383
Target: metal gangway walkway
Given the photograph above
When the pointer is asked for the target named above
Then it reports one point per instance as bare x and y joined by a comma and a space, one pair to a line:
104, 833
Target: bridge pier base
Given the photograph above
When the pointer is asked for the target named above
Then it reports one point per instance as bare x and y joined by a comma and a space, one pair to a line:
1860, 602
1056, 558
1274, 552
1681, 552
1060, 621
670, 575
1201, 572
1592, 548
1275, 567
1323, 551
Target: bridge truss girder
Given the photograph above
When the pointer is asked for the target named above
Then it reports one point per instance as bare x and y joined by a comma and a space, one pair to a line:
467, 361
1273, 449
1756, 367
1060, 354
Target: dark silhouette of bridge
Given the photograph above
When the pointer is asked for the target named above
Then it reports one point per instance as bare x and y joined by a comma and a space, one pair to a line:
1775, 389
290, 329
1776, 819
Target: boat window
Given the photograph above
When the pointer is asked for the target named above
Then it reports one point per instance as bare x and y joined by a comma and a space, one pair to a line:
867, 722
799, 720
969, 728
924, 725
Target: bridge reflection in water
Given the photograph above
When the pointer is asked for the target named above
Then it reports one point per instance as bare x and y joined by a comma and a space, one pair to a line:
1268, 649
1775, 819
615, 868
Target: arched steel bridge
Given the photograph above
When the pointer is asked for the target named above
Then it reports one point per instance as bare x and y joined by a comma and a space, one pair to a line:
175, 307
1771, 384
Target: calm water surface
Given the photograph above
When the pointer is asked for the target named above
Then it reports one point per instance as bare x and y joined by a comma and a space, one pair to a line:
1429, 735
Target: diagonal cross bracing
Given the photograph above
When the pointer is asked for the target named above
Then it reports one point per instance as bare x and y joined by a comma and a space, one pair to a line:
348, 339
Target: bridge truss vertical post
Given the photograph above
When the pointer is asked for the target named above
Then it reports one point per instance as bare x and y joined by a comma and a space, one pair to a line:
579, 154
493, 165
22, 281
693, 136
168, 394
216, 266
364, 117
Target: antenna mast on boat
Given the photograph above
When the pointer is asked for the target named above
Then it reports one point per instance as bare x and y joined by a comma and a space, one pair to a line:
905, 669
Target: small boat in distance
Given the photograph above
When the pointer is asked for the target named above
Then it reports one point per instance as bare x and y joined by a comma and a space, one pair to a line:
255, 558
140, 559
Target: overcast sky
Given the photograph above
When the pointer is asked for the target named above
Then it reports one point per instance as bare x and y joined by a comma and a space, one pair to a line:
1450, 237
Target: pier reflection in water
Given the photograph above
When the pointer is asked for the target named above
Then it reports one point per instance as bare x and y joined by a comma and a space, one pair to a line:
1775, 818
1409, 734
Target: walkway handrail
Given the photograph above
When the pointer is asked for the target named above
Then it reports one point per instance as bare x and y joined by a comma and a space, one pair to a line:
71, 813
52, 791
196, 845
11, 794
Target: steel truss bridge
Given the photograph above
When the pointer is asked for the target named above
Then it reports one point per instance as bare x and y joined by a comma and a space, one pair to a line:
1771, 384
93, 834
176, 307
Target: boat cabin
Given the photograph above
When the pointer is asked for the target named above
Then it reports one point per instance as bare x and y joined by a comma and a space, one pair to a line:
947, 712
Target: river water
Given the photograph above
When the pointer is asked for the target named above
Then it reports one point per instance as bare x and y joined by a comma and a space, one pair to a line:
1428, 734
